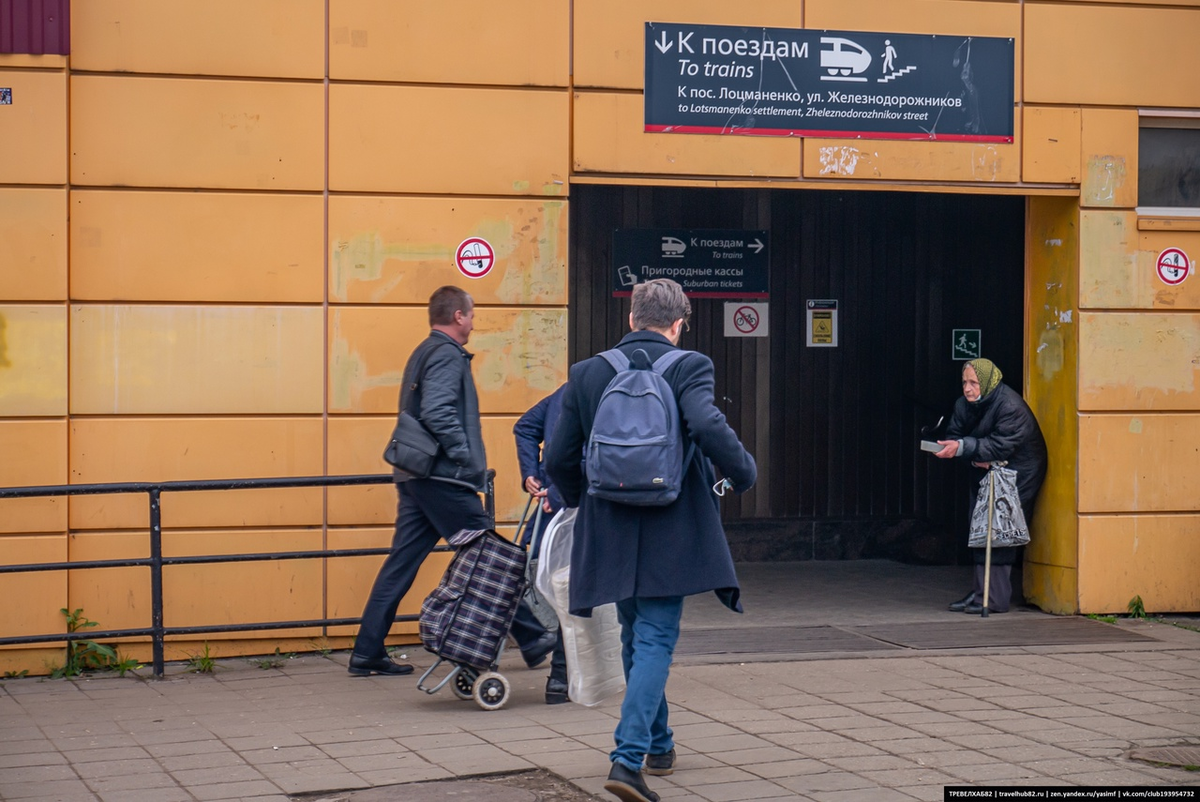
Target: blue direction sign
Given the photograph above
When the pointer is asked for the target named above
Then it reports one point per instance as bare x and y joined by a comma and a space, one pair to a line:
718, 79
707, 262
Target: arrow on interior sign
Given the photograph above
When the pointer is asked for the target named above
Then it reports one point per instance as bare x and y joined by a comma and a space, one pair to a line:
756, 246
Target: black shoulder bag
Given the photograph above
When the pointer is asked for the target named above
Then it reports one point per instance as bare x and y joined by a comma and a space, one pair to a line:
412, 448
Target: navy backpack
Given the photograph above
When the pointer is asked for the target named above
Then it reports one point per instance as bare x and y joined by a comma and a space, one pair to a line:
635, 452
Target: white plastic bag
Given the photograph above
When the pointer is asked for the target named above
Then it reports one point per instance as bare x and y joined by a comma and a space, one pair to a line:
592, 645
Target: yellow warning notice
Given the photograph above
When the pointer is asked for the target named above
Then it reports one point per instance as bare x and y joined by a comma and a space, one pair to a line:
822, 328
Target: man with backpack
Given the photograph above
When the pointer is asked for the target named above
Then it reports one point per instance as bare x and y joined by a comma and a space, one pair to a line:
639, 542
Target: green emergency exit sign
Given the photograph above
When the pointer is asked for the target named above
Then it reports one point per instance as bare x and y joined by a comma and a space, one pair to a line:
966, 344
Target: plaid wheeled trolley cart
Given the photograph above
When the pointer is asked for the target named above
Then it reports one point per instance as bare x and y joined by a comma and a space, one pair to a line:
465, 620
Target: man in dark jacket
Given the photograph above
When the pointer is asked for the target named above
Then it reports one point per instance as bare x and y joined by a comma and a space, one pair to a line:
439, 373
992, 423
647, 559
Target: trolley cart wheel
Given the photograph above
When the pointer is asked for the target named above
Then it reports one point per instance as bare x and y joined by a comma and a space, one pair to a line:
491, 691
464, 683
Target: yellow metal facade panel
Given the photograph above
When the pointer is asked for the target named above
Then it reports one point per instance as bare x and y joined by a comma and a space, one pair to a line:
283, 590
196, 359
1154, 290
268, 38
349, 579
1138, 463
1109, 148
116, 598
912, 161
1108, 272
46, 61
1139, 361
356, 444
33, 244
1152, 556
177, 449
220, 134
1050, 145
33, 360
608, 48
519, 43
1052, 342
35, 127
175, 246
448, 140
609, 139
42, 448
399, 250
41, 595
941, 17
520, 356
1103, 55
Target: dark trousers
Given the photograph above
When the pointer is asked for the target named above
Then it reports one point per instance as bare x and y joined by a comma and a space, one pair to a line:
999, 586
428, 511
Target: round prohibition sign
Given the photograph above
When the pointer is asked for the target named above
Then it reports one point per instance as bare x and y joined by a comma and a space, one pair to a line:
1173, 266
474, 257
745, 319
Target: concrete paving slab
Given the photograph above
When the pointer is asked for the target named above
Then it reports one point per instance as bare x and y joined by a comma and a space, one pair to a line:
896, 723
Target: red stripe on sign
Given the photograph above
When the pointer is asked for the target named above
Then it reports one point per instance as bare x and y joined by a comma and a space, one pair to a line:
705, 129
688, 293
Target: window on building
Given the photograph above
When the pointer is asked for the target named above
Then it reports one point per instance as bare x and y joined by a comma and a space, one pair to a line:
1169, 162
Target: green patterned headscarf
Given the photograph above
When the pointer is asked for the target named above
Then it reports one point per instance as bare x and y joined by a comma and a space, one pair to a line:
989, 376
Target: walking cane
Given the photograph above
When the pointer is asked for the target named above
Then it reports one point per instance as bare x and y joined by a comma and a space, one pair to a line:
987, 559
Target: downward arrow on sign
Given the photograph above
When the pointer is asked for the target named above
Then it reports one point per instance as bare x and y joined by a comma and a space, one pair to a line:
663, 45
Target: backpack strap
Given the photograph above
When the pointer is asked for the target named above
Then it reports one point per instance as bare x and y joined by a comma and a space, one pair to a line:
618, 360
668, 359
660, 367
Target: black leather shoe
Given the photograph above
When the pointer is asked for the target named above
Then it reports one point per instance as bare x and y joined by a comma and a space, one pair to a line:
366, 666
536, 653
556, 692
976, 609
961, 604
661, 765
628, 785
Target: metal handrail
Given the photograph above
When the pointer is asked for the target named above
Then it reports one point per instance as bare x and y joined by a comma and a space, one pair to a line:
157, 630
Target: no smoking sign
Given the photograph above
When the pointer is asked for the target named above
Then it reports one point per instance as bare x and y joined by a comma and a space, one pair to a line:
474, 257
745, 320
1173, 266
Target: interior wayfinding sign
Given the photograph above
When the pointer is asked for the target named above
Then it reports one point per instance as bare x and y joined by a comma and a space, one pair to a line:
707, 262
718, 79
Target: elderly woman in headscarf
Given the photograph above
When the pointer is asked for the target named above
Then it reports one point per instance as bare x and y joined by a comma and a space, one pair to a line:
992, 423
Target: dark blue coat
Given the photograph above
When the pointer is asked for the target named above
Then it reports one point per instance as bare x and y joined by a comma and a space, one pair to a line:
533, 429
620, 551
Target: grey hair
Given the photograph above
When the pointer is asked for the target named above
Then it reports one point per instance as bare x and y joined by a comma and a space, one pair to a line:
658, 303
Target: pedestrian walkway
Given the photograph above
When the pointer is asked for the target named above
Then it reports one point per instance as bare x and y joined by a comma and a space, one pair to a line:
897, 722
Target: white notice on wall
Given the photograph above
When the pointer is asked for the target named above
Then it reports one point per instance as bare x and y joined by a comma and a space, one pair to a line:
745, 319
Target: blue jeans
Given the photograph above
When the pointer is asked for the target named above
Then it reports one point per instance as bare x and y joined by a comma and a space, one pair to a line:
649, 631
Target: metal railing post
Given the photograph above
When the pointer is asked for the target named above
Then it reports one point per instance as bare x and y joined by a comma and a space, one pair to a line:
156, 584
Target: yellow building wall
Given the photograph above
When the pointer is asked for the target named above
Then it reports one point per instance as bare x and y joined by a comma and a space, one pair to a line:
189, 290
217, 246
